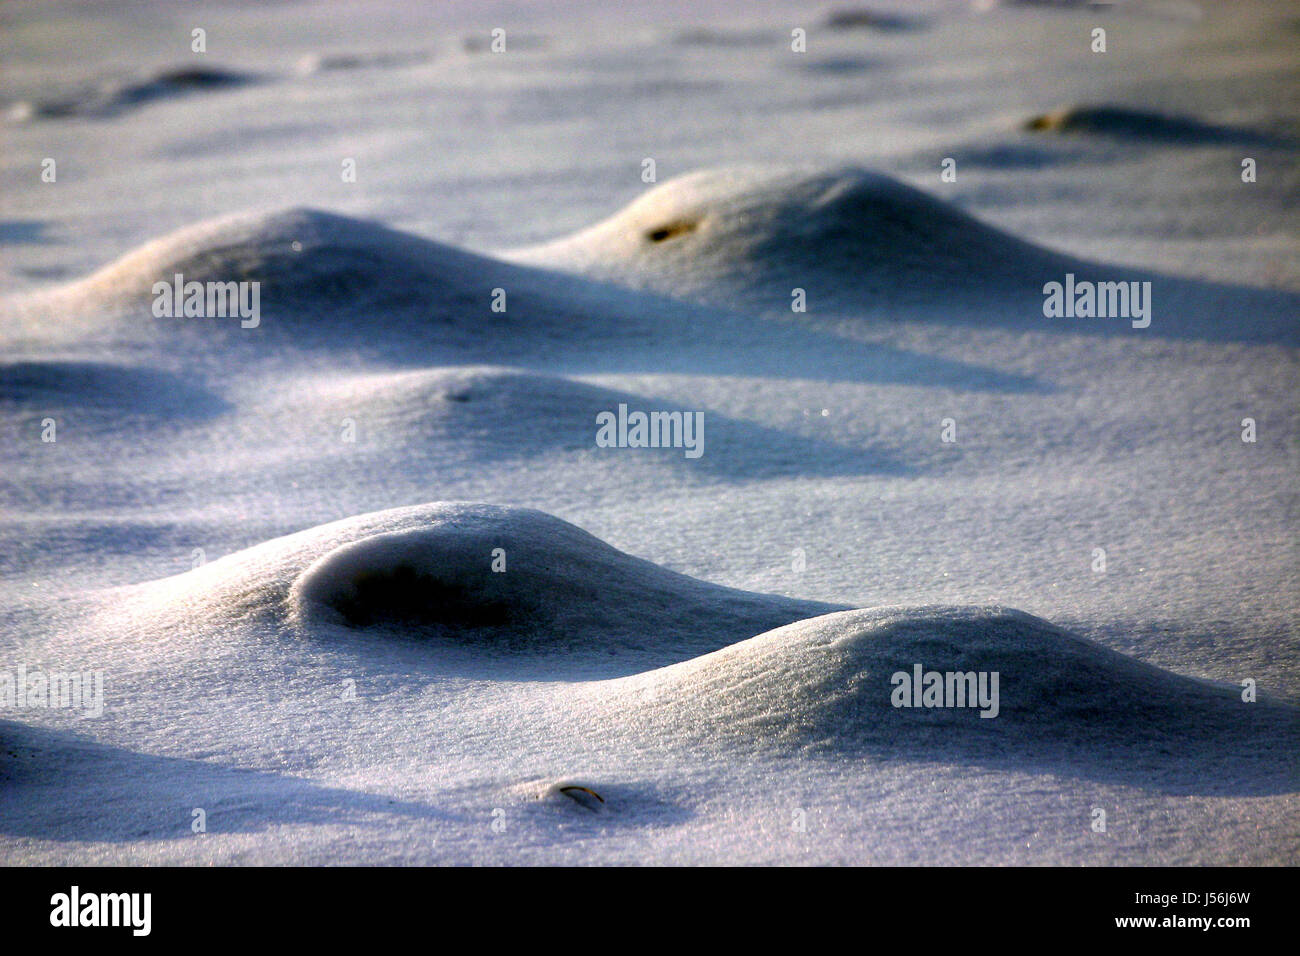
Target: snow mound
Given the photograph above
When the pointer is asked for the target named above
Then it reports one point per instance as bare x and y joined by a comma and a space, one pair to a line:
427, 572
863, 18
481, 572
751, 235
1140, 126
486, 413
112, 97
849, 242
829, 684
322, 281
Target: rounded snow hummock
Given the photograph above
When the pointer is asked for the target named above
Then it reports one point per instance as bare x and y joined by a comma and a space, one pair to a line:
318, 280
1140, 125
523, 577
484, 413
113, 96
304, 257
939, 683
751, 235
455, 574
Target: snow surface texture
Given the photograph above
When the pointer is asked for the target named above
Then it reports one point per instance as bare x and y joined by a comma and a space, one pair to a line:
360, 582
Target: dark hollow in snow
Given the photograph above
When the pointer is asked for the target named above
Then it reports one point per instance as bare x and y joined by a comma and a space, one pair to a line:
515, 577
669, 230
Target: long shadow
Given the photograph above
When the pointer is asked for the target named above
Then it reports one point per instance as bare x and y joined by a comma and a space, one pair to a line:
56, 785
1190, 310
123, 539
112, 390
29, 231
1004, 156
1196, 753
603, 329
607, 645
743, 346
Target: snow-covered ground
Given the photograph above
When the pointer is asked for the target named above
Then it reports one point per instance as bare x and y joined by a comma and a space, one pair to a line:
360, 577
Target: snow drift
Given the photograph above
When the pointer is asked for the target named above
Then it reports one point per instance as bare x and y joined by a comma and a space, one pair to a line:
1144, 126
325, 281
460, 574
752, 234
495, 573
114, 96
828, 685
859, 244
493, 413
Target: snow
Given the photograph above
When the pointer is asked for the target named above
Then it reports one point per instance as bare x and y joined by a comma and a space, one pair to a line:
278, 542
749, 235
